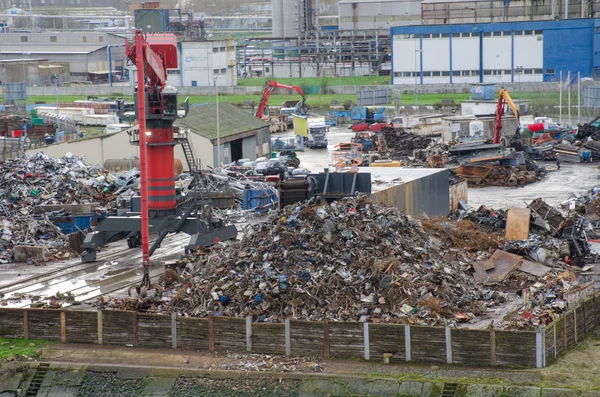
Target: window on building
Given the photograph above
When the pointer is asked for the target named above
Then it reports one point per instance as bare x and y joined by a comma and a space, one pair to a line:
84, 39
528, 33
528, 71
468, 34
456, 73
445, 35
474, 72
24, 39
507, 33
267, 70
496, 34
550, 71
101, 39
53, 39
427, 36
435, 35
536, 32
507, 72
487, 72
222, 49
397, 74
215, 71
445, 73
538, 71
487, 34
436, 74
215, 49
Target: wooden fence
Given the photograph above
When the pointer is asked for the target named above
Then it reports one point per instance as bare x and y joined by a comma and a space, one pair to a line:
368, 341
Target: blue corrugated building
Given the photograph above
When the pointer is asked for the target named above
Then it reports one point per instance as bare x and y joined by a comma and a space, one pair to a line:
495, 52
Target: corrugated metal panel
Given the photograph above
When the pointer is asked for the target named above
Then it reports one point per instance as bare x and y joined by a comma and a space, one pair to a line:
374, 97
152, 20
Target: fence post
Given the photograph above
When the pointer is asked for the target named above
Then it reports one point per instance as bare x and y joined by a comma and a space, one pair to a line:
554, 333
407, 342
575, 323
326, 339
288, 338
25, 324
100, 328
211, 332
493, 347
174, 330
248, 333
366, 341
63, 327
448, 345
134, 336
565, 330
539, 360
543, 331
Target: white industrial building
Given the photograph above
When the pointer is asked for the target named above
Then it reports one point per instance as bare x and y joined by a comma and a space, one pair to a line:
82, 53
378, 14
205, 63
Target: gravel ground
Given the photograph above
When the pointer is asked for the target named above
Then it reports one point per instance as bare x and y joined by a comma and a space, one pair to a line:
192, 387
106, 384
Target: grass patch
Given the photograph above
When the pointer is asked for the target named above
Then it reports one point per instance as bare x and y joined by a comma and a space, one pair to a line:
20, 348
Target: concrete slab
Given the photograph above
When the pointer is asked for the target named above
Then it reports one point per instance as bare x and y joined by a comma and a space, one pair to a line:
132, 373
321, 388
59, 391
411, 389
522, 391
11, 383
8, 394
484, 390
432, 389
159, 386
551, 392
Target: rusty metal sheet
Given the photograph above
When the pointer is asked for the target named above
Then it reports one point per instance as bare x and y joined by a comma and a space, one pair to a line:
517, 224
474, 174
504, 263
534, 268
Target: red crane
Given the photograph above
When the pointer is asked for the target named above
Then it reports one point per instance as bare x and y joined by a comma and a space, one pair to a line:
156, 111
271, 85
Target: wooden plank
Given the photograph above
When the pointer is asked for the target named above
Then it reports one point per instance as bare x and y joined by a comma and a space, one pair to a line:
211, 332
346, 340
493, 359
517, 224
428, 344
589, 316
387, 338
570, 329
307, 338
81, 326
154, 330
192, 333
508, 355
326, 339
44, 324
100, 335
229, 334
268, 338
471, 347
26, 324
12, 324
134, 329
117, 327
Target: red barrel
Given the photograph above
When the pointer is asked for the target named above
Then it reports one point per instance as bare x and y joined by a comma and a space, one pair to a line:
17, 133
161, 169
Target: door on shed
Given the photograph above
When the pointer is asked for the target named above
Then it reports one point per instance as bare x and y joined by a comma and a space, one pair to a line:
236, 150
249, 148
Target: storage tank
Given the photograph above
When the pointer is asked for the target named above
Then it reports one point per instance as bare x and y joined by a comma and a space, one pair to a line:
277, 20
291, 17
476, 128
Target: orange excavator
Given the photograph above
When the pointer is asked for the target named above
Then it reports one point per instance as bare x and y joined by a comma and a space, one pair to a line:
505, 99
271, 85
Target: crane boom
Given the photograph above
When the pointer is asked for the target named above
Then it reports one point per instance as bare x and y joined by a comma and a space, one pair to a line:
504, 98
271, 85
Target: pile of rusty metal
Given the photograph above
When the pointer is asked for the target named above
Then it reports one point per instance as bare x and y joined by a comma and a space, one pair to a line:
401, 144
497, 175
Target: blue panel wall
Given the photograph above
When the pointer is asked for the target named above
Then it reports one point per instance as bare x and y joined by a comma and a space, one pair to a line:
568, 50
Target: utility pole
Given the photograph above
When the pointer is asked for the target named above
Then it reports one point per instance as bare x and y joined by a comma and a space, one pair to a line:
55, 77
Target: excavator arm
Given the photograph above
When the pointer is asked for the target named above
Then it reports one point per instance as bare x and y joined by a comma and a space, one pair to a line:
271, 85
504, 98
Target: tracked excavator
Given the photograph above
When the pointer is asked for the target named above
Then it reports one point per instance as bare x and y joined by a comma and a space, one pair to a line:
515, 141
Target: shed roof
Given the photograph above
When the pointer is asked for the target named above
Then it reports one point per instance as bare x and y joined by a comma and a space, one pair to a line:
202, 120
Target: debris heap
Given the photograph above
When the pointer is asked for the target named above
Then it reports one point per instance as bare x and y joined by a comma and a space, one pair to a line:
351, 260
401, 144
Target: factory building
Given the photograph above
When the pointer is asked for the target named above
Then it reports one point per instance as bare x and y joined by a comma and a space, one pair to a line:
495, 53
378, 14
205, 63
235, 133
85, 55
292, 18
436, 12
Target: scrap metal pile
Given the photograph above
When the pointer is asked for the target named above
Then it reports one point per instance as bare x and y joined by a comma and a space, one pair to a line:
26, 183
351, 260
497, 175
401, 144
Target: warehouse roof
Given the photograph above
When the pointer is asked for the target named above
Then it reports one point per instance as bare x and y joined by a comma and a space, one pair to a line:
202, 120
67, 49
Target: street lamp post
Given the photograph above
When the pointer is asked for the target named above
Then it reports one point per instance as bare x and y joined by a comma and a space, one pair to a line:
417, 52
55, 77
216, 78
519, 70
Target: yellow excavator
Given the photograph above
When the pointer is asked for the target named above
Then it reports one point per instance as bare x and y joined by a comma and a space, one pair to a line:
504, 98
